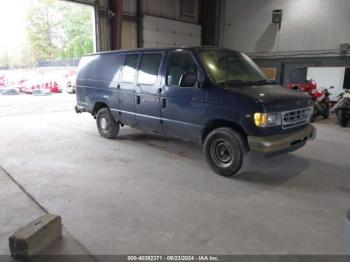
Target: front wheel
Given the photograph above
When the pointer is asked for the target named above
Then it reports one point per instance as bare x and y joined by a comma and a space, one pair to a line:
106, 125
226, 152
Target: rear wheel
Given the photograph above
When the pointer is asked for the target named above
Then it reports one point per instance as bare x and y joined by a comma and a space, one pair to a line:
106, 125
342, 118
325, 108
226, 152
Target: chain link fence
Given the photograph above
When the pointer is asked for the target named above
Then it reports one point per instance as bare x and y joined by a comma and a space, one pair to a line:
58, 63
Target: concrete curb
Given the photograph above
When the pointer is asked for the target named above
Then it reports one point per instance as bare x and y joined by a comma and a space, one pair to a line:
33, 238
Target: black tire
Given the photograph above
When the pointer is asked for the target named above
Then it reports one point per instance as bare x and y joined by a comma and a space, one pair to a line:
226, 152
314, 115
106, 125
325, 109
343, 122
313, 118
326, 114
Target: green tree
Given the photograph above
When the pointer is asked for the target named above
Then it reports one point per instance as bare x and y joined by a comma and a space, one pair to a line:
59, 29
77, 26
42, 29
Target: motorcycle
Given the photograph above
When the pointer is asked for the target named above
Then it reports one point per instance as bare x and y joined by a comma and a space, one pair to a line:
320, 98
321, 103
342, 108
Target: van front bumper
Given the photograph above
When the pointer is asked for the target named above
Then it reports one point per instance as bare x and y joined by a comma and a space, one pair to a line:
282, 143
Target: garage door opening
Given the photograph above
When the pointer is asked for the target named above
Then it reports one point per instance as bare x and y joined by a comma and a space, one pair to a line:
41, 44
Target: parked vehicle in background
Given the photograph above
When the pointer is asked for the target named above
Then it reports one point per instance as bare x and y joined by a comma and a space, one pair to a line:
41, 92
28, 86
71, 85
31, 85
54, 87
2, 81
216, 97
342, 108
9, 91
322, 103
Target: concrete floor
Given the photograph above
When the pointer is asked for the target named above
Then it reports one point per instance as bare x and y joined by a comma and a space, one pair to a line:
146, 194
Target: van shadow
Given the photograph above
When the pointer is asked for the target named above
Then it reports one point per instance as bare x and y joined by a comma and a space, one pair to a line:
173, 146
261, 170
274, 171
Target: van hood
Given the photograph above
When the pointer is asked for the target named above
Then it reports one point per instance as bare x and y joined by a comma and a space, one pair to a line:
274, 98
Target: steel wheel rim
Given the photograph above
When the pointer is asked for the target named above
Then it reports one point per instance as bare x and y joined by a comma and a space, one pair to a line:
222, 153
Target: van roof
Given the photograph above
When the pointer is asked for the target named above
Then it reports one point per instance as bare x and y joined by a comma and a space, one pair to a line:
156, 49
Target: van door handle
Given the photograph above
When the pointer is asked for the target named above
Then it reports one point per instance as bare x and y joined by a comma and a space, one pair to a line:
118, 86
163, 103
138, 100
160, 90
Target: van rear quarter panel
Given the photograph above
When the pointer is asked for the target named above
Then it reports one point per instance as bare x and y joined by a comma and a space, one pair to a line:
98, 77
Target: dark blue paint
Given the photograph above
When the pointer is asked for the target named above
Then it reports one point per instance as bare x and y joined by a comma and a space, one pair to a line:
188, 110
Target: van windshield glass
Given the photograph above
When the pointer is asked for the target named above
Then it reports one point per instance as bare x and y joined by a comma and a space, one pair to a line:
230, 68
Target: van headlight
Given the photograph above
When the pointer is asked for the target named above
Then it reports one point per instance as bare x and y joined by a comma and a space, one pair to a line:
267, 119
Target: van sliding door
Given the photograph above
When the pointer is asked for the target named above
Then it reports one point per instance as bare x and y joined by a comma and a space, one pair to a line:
148, 92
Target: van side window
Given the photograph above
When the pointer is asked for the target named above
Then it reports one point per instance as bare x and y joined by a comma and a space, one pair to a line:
179, 64
148, 72
129, 68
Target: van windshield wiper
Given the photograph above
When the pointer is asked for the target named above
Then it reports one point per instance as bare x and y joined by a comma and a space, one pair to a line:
235, 82
245, 82
264, 81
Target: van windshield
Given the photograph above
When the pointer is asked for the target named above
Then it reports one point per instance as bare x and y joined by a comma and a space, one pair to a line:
230, 68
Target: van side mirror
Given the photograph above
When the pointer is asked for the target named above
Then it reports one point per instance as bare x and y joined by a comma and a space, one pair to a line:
188, 79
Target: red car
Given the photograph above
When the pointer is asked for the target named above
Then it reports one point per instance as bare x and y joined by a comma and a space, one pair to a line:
54, 87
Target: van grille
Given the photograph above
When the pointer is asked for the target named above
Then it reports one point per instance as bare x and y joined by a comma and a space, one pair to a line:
296, 118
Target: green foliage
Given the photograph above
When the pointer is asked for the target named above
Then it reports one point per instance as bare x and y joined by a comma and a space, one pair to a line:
59, 29
42, 28
77, 26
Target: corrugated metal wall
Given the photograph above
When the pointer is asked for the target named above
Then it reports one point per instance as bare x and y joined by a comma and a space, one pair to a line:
132, 20
170, 9
134, 28
103, 37
161, 32
133, 12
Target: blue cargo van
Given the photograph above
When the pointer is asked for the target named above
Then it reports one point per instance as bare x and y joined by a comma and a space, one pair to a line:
216, 97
